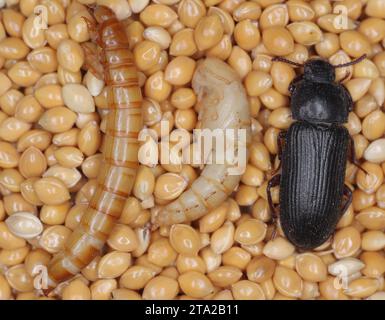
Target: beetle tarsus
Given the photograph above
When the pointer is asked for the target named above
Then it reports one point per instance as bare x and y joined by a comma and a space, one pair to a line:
349, 195
312, 195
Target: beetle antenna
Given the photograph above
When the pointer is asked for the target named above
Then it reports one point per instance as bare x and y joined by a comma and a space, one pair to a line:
347, 64
287, 61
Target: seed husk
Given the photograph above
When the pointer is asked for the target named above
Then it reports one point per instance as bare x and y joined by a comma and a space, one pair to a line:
24, 225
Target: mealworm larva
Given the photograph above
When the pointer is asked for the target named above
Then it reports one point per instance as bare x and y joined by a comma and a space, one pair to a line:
224, 105
120, 154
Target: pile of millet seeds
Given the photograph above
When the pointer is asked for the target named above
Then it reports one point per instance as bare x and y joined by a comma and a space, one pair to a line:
52, 118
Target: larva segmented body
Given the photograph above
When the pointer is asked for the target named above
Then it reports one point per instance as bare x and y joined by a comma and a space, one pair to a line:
120, 151
224, 106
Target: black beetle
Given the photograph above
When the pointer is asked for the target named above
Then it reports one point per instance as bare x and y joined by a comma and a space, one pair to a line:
313, 153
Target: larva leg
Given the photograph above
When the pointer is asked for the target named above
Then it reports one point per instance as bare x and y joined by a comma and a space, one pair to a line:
273, 183
92, 30
92, 61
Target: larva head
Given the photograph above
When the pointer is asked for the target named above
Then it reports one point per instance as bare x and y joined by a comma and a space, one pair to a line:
101, 13
221, 96
211, 76
213, 72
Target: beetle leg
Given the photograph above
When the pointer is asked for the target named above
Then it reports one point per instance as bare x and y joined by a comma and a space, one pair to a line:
274, 181
281, 143
352, 156
349, 195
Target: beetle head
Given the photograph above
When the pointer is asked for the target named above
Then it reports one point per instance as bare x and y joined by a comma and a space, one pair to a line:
319, 70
